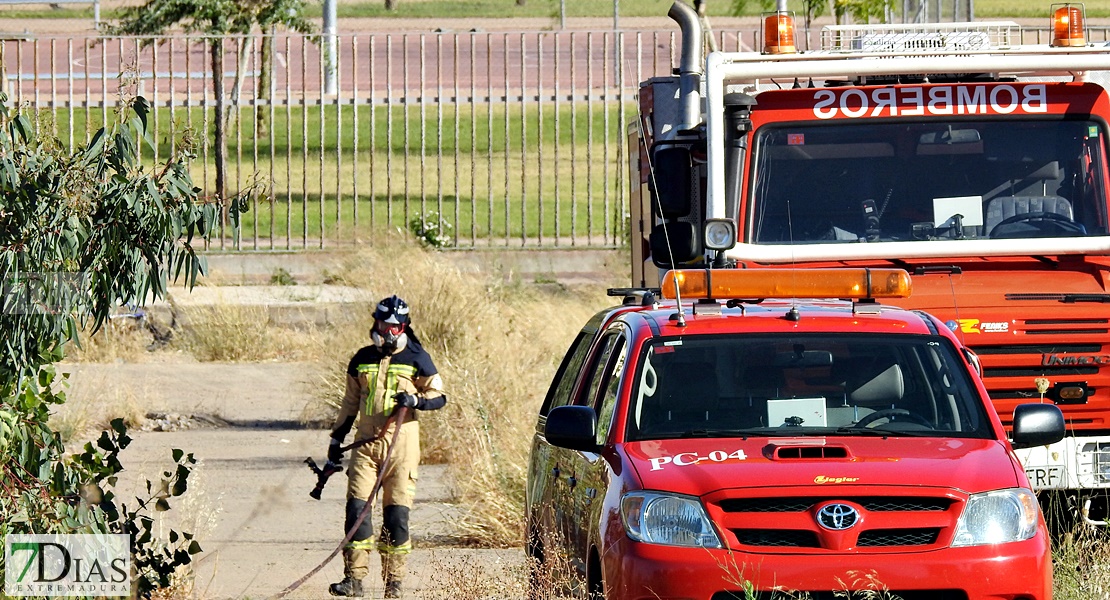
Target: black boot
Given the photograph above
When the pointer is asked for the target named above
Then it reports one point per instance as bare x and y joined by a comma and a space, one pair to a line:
393, 589
349, 587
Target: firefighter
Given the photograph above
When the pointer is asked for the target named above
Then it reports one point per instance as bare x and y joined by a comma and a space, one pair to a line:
393, 371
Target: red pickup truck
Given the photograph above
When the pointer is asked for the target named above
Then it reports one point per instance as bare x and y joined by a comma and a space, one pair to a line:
734, 445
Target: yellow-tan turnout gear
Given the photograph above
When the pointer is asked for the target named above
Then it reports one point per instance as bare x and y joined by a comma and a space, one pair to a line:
394, 371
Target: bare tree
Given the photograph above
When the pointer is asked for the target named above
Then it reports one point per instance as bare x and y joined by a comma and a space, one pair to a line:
216, 19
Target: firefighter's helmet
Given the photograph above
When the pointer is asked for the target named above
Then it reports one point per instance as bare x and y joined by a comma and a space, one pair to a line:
391, 319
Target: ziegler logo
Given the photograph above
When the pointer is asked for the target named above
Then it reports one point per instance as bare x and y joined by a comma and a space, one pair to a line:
1055, 360
977, 326
827, 479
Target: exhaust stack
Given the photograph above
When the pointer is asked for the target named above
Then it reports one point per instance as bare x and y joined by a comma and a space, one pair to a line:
690, 63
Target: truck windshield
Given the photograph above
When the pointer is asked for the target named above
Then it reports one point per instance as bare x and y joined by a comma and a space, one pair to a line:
877, 182
731, 385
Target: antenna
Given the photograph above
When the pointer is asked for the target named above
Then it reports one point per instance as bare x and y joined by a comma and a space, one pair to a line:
689, 73
681, 318
956, 306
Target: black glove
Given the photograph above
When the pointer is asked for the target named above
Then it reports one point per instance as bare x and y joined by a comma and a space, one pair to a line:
406, 400
335, 455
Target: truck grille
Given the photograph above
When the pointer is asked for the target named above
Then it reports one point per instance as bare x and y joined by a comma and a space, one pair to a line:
1010, 370
872, 504
840, 595
899, 537
787, 523
777, 538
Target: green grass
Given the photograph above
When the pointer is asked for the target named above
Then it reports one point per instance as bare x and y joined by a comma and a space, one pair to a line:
515, 178
997, 9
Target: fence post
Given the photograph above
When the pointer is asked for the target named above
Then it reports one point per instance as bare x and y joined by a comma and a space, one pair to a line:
331, 48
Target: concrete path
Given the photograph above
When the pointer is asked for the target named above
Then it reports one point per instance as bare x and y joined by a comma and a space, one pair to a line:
248, 500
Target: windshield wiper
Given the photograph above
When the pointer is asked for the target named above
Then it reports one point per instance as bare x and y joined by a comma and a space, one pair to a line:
697, 433
713, 433
867, 431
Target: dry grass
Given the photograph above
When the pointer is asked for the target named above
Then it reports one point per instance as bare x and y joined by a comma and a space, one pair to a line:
119, 340
1081, 565
94, 402
471, 577
497, 345
234, 333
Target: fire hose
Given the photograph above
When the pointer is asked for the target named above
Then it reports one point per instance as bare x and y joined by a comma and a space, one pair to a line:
398, 418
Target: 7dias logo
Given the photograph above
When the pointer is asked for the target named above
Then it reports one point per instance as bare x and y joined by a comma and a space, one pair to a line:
67, 565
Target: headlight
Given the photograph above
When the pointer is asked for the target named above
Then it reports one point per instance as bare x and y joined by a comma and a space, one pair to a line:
658, 518
997, 518
720, 234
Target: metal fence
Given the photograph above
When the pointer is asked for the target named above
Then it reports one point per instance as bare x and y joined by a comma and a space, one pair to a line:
474, 139
471, 139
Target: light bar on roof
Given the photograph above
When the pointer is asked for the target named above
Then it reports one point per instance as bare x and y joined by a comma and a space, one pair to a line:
722, 284
920, 38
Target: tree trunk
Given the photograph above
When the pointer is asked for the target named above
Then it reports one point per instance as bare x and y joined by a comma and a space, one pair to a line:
243, 48
265, 82
217, 50
391, 4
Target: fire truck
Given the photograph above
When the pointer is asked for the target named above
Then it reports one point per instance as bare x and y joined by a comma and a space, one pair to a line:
954, 151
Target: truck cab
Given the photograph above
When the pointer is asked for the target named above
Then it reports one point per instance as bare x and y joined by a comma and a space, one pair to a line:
724, 442
976, 163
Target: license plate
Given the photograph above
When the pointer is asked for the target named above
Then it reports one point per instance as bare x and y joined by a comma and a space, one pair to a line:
1045, 477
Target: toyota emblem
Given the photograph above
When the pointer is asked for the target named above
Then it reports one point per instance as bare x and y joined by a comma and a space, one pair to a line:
837, 517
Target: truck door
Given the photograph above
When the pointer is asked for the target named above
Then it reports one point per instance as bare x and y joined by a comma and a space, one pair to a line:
589, 475
548, 462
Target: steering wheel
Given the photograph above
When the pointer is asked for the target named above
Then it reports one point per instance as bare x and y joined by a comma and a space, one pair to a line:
1064, 221
890, 413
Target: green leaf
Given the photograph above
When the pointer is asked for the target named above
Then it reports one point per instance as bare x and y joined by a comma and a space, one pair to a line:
95, 210
21, 128
95, 148
181, 482
142, 109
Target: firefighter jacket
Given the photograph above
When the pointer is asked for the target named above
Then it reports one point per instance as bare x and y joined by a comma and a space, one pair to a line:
374, 377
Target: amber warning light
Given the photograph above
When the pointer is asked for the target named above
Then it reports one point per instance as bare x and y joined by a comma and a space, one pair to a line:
778, 33
787, 283
1068, 25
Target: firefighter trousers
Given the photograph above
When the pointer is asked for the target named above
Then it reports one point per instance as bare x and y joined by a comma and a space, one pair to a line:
397, 492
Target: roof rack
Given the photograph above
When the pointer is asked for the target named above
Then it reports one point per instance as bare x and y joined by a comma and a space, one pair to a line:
635, 296
921, 38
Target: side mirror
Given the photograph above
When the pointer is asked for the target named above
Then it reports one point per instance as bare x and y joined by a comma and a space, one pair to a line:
973, 359
573, 427
670, 184
677, 239
1037, 425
